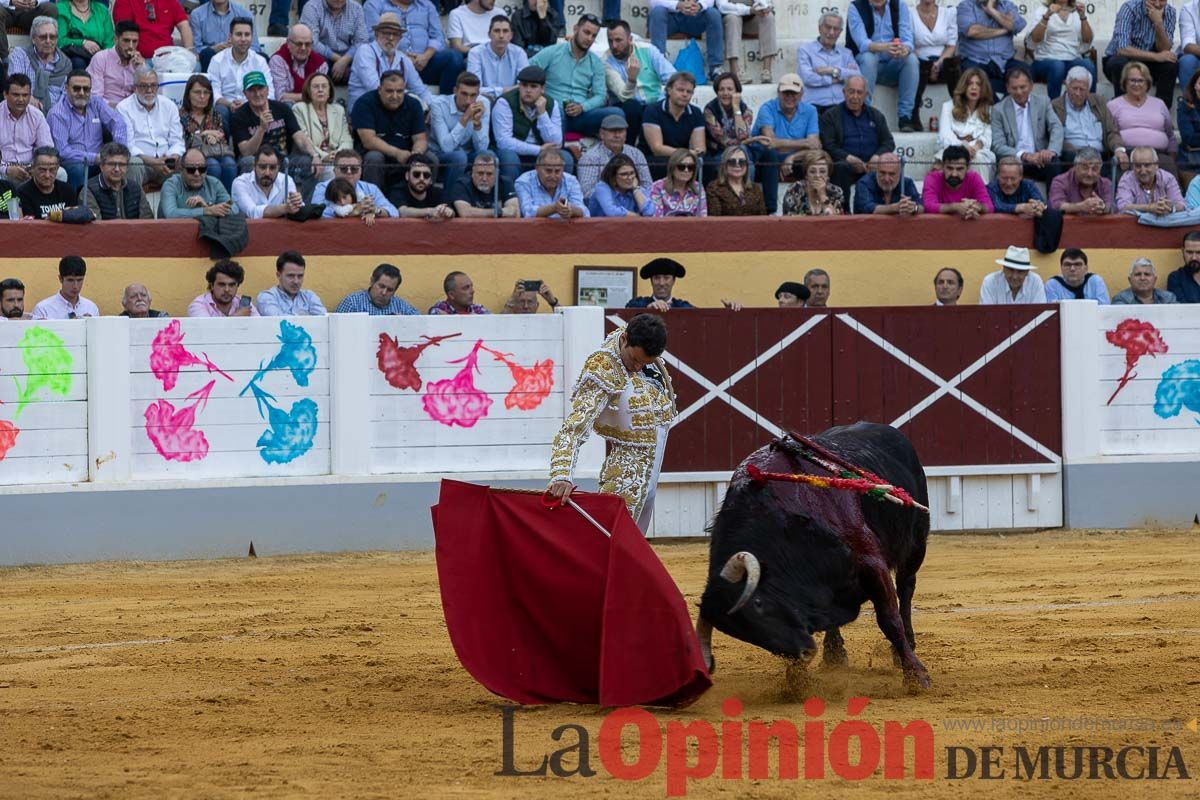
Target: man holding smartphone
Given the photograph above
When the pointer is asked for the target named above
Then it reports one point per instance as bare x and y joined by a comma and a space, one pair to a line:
222, 298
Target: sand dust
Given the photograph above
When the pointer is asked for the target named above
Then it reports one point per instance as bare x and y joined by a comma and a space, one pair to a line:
333, 676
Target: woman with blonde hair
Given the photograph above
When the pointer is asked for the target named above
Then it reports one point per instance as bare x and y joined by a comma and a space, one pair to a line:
733, 194
679, 193
814, 194
1142, 119
323, 120
966, 121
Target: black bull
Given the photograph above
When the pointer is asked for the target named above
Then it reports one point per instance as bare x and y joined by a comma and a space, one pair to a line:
787, 560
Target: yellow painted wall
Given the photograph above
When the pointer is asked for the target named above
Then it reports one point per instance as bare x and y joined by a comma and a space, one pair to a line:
866, 278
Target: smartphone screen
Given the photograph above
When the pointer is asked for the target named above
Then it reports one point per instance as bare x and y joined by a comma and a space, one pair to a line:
245, 301
532, 286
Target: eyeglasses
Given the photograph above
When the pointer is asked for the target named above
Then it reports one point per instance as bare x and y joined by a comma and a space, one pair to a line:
146, 87
349, 169
200, 170
737, 162
686, 167
81, 90
117, 164
421, 175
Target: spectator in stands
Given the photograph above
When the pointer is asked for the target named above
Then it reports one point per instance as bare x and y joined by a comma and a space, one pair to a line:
1143, 121
228, 69
380, 297
1141, 291
467, 25
612, 143
78, 124
966, 120
1147, 187
881, 192
953, 189
193, 192
157, 20
549, 191
135, 301
382, 55
935, 39
46, 66
1189, 44
84, 29
224, 278
674, 123
263, 121
636, 75
322, 120
537, 25
1184, 282
618, 193
662, 274
695, 18
985, 38
947, 286
1086, 121
792, 295
43, 196
110, 195
812, 195
756, 17
22, 128
391, 127
819, 287
12, 299
575, 77
294, 63
526, 122
881, 38
212, 29
19, 15
824, 66
524, 299
679, 193
155, 136
1059, 39
1012, 193
1014, 283
727, 118
786, 128
342, 201
339, 28
1144, 31
460, 296
855, 135
498, 64
267, 192
1023, 125
417, 197
288, 297
68, 302
733, 194
206, 130
113, 70
1075, 282
1082, 189
423, 41
477, 195
461, 126
348, 165
1188, 115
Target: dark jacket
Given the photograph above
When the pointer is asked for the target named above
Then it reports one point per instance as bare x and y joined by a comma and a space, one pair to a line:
1112, 134
832, 133
531, 33
105, 203
1181, 284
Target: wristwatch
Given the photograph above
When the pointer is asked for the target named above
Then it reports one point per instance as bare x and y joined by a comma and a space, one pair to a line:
837, 73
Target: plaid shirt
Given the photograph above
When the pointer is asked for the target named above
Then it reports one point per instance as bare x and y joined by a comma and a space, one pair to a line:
1133, 27
335, 34
444, 307
360, 301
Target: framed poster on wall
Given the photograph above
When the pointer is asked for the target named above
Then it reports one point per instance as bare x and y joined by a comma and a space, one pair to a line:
607, 287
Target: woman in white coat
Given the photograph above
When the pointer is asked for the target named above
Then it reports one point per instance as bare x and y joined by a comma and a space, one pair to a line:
966, 120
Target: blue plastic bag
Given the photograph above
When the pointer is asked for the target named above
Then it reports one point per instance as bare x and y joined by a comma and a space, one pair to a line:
691, 59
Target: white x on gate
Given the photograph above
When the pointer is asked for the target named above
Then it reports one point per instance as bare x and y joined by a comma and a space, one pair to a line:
721, 390
950, 387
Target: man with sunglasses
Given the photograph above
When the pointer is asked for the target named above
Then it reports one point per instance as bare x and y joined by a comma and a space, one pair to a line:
157, 20
348, 165
417, 197
78, 124
576, 78
111, 195
193, 193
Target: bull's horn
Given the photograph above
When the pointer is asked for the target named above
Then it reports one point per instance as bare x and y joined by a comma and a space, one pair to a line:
704, 630
741, 565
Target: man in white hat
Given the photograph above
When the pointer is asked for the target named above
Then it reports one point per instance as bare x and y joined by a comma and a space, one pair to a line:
1014, 283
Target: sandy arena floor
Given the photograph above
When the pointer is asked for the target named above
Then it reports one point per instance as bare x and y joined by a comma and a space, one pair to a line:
333, 676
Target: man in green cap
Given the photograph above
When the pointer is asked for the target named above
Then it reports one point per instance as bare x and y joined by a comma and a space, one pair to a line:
261, 120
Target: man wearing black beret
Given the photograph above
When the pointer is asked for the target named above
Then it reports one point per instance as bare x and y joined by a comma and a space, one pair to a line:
792, 295
662, 274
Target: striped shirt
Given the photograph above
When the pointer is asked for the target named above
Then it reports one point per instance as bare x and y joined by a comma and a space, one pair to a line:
1133, 28
360, 302
79, 137
341, 33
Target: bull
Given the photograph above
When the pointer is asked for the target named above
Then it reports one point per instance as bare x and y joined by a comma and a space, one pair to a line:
787, 560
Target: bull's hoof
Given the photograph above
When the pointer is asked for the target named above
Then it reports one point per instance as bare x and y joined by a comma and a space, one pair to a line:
834, 656
917, 682
796, 679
